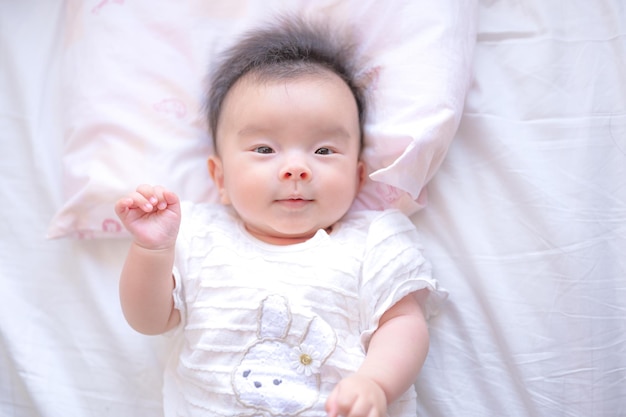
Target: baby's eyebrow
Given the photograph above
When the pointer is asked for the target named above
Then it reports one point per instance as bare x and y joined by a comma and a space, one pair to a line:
337, 132
334, 132
251, 130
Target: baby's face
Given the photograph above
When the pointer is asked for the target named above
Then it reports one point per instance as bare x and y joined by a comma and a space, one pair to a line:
289, 155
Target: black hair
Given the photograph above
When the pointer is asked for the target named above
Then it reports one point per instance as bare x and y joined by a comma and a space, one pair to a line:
289, 48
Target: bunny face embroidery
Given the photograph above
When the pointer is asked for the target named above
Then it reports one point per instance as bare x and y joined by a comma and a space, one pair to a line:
278, 378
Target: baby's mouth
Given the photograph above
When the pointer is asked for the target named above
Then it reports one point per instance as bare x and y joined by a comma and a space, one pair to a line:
294, 202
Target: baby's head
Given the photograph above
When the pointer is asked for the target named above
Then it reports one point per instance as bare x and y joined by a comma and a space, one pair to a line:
286, 116
290, 48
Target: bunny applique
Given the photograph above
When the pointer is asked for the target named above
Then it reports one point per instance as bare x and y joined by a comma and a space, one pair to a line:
277, 377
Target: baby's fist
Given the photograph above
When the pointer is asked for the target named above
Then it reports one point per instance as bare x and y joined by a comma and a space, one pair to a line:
357, 396
152, 215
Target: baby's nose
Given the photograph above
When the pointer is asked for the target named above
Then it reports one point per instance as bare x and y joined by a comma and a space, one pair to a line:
295, 171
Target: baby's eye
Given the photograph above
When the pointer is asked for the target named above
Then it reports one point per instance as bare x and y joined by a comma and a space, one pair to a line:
324, 151
263, 149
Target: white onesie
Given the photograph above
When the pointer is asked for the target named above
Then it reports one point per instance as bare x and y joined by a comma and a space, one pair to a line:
269, 330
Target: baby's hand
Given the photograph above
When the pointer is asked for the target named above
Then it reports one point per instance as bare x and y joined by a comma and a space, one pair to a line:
357, 396
152, 215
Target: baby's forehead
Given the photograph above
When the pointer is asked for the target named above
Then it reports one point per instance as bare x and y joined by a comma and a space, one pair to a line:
295, 85
286, 76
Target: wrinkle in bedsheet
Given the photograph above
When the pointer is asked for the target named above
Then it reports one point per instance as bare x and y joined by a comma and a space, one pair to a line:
533, 192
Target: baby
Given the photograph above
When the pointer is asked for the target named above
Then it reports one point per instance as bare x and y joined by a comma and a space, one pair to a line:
285, 302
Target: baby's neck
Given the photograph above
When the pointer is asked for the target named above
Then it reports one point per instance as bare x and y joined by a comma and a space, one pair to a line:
285, 240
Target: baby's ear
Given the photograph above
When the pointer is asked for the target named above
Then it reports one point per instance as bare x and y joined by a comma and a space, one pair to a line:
362, 175
216, 170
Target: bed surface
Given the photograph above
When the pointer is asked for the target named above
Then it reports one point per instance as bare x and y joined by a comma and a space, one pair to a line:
525, 226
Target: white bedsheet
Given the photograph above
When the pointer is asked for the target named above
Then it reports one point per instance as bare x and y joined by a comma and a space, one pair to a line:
526, 227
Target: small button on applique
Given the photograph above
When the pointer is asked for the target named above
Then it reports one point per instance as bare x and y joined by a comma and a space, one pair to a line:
305, 359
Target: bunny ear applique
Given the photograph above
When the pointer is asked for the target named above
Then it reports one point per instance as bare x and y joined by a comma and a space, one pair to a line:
320, 336
274, 318
317, 343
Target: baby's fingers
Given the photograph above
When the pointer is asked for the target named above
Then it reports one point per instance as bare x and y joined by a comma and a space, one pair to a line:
356, 396
339, 403
146, 196
132, 201
331, 404
157, 196
363, 407
170, 198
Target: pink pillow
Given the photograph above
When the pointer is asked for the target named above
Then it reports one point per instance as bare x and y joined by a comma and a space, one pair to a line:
134, 76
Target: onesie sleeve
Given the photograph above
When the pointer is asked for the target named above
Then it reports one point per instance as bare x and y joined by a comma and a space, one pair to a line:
393, 267
180, 260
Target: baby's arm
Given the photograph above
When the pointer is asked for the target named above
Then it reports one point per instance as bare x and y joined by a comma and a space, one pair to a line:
152, 216
396, 353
